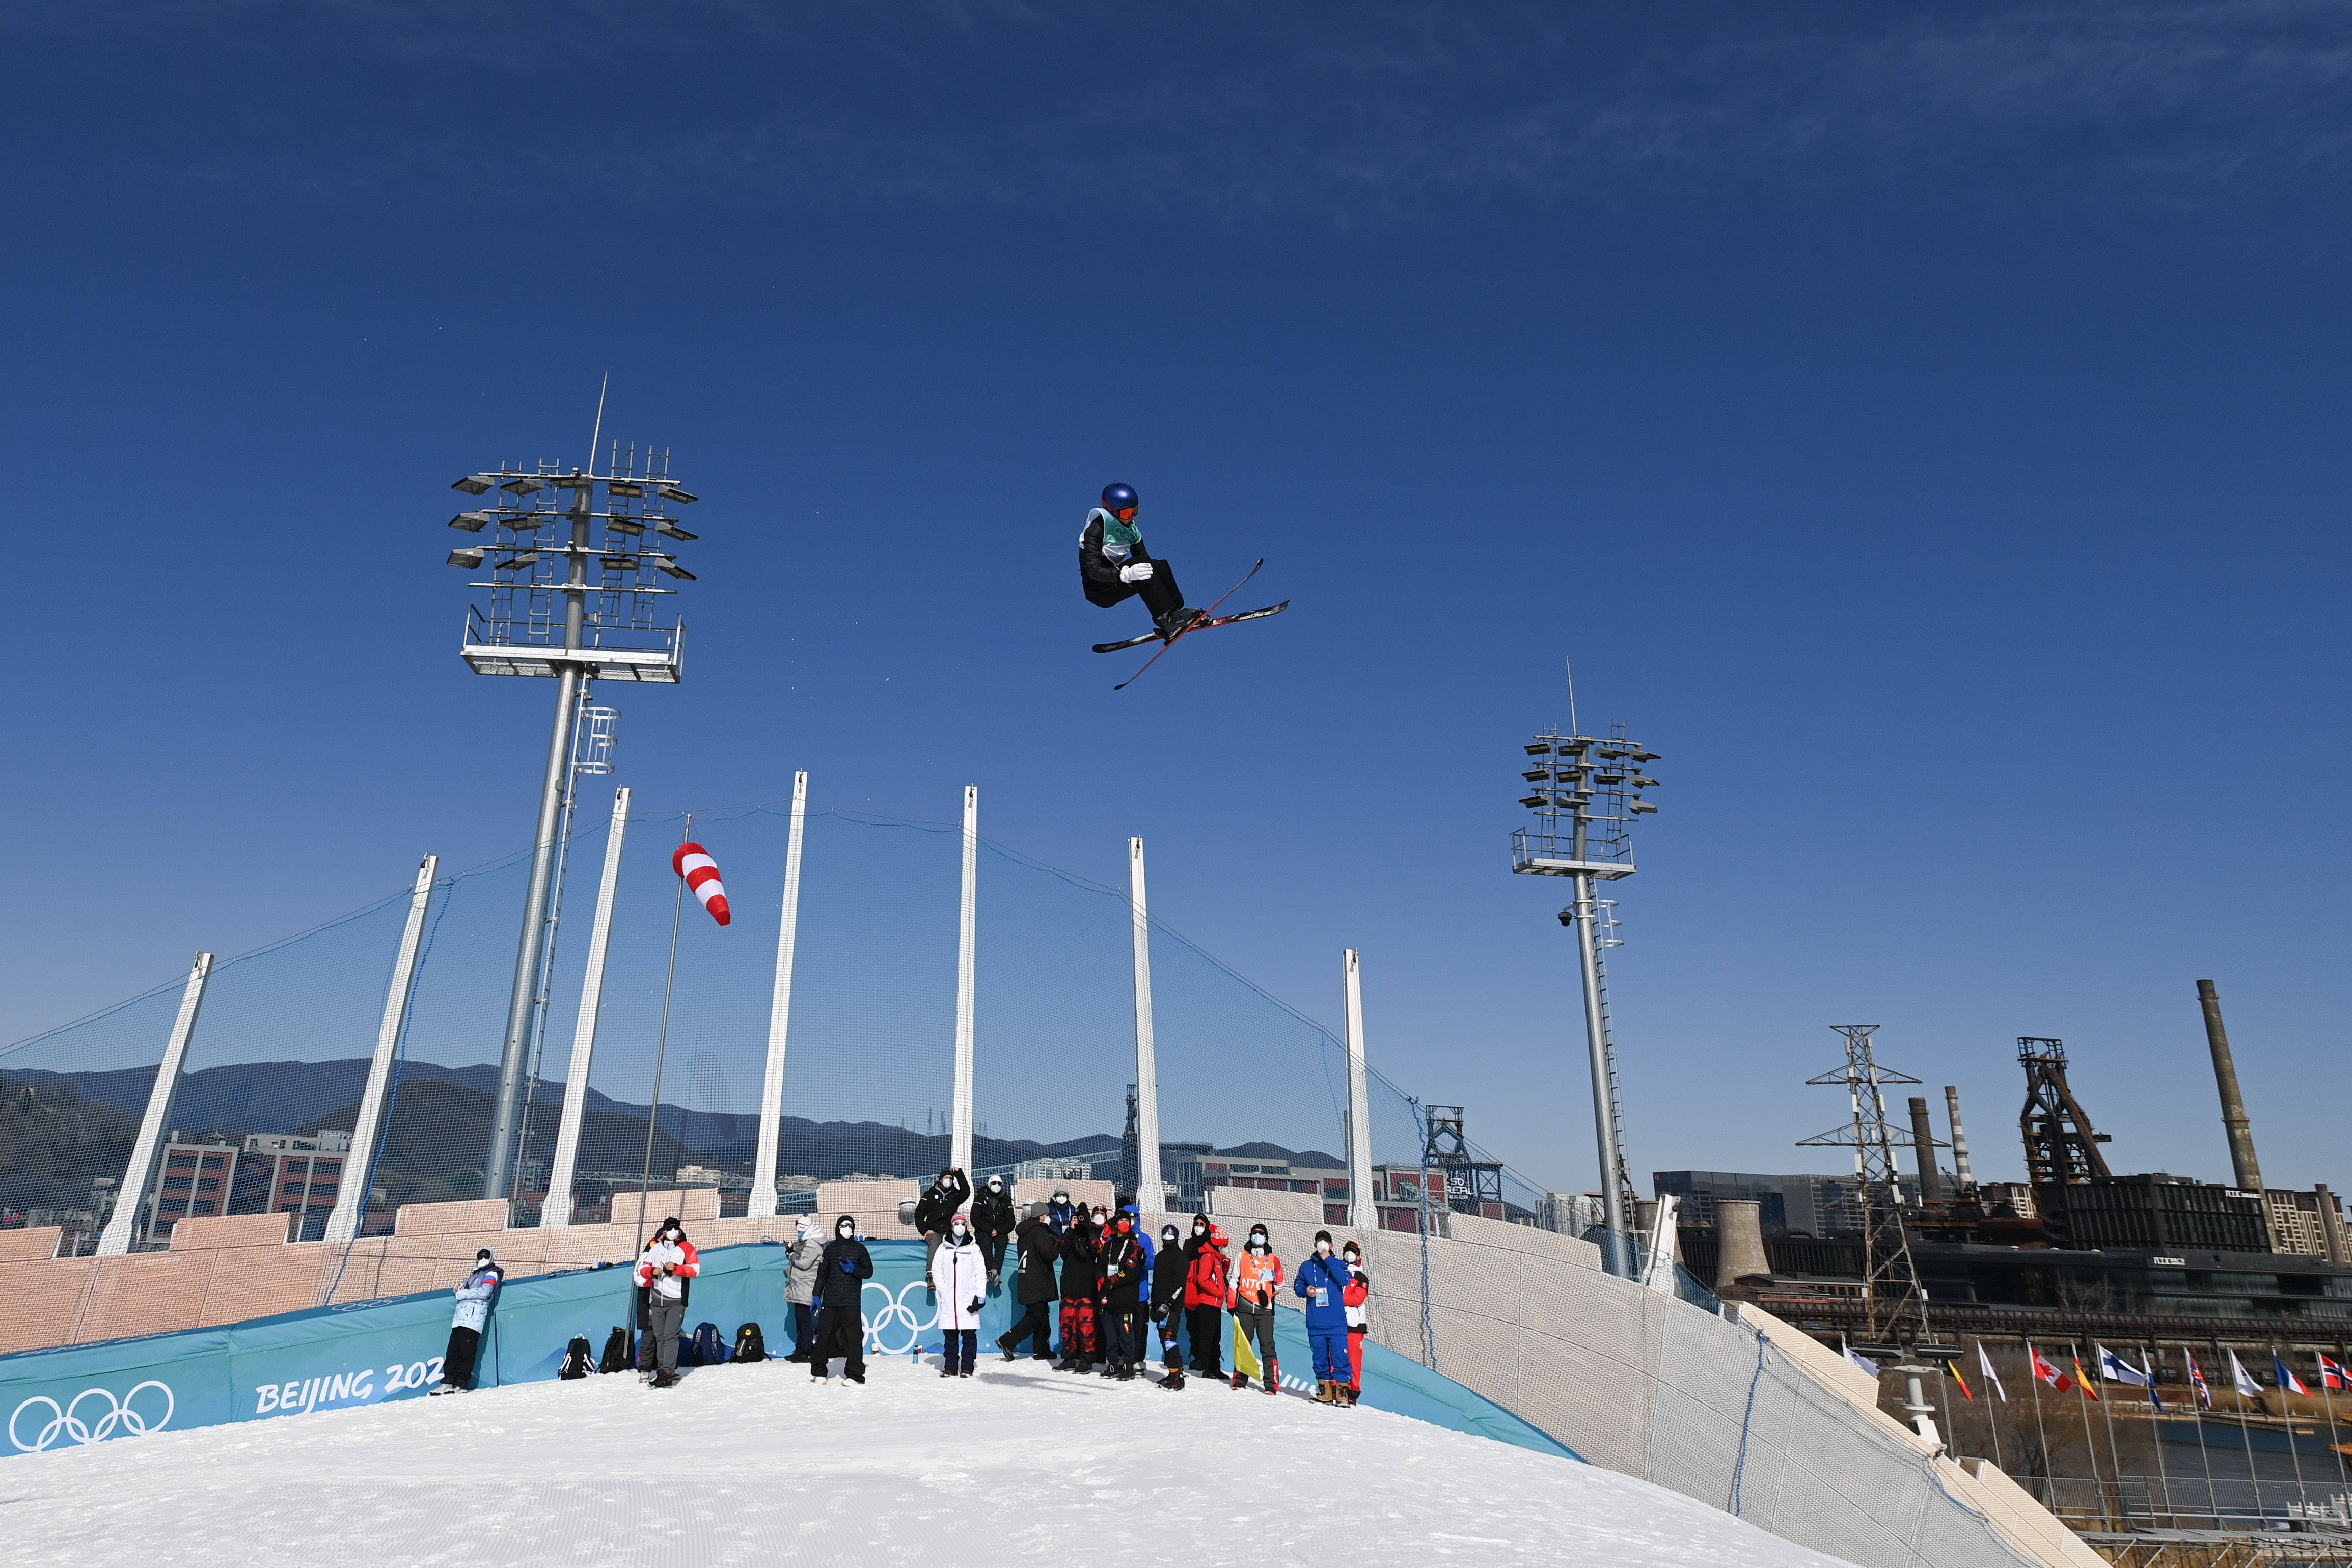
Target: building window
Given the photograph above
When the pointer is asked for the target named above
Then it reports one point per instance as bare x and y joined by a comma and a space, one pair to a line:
211, 1162
183, 1161
176, 1184
208, 1184
205, 1206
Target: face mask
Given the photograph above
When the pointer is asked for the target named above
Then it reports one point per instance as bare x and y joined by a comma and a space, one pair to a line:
670, 1235
959, 1233
1063, 1198
1098, 1217
1322, 1249
843, 1231
1200, 1230
1352, 1258
1122, 1223
1168, 1237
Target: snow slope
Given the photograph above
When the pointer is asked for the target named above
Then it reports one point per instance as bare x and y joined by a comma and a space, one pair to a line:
756, 1464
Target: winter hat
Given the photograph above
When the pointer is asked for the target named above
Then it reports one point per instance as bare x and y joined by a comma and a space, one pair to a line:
996, 1181
1061, 1194
1168, 1234
849, 1219
482, 1257
807, 1226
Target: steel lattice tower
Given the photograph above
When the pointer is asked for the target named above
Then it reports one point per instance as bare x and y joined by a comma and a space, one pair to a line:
1893, 1299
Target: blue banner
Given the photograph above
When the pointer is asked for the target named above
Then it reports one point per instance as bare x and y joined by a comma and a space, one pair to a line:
333, 1358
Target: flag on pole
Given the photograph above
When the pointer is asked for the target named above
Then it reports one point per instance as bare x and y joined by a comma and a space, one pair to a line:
2245, 1380
2044, 1370
2116, 1369
2083, 1382
2197, 1381
2148, 1370
1984, 1364
2288, 1380
2332, 1373
1966, 1392
1861, 1362
693, 862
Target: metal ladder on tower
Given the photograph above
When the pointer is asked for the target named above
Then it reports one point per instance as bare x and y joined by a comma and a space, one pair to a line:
1604, 937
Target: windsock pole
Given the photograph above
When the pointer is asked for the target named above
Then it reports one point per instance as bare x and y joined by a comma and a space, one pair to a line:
661, 1048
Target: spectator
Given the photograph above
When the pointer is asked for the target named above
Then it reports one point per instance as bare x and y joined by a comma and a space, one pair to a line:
1124, 1271
1062, 1213
841, 1317
1323, 1279
959, 1280
1168, 1302
807, 1251
1079, 1283
1258, 1279
664, 1267
937, 1206
1033, 1286
1208, 1285
991, 1224
480, 1288
1358, 1290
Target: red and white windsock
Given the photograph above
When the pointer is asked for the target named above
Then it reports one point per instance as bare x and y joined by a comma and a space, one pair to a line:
693, 862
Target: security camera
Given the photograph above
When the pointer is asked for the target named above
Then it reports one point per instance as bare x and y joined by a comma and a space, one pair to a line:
1568, 916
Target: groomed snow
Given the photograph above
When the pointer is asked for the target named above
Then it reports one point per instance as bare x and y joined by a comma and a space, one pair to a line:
754, 1464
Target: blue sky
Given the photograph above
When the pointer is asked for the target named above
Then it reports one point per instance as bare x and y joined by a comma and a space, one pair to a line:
1925, 427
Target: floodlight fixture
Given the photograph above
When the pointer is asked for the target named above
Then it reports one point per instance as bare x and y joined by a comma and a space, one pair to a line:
669, 530
523, 558
624, 487
1645, 757
629, 526
524, 486
1610, 776
1640, 806
1538, 748
672, 493
472, 522
671, 566
471, 559
1535, 775
1532, 802
1640, 782
472, 484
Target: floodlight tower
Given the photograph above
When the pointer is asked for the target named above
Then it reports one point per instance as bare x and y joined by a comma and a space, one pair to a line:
1585, 793
566, 604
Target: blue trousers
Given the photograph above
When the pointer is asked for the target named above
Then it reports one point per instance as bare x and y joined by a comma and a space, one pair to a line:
1331, 1362
962, 1345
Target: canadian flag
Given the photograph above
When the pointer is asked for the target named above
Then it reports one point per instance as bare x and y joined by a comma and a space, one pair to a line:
2049, 1374
693, 862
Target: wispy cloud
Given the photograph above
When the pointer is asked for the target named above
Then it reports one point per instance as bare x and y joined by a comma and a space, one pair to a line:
1342, 113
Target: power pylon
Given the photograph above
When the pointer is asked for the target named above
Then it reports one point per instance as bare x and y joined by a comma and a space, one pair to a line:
1894, 1300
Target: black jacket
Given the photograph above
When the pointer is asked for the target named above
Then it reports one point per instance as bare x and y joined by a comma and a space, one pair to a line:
939, 1204
1123, 1269
837, 1286
1096, 567
1168, 1279
991, 1215
1038, 1246
1080, 1274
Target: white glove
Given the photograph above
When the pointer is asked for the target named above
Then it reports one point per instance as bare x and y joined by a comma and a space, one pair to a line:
1135, 572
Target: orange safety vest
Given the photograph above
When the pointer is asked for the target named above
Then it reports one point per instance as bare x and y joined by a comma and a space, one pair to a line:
1255, 1280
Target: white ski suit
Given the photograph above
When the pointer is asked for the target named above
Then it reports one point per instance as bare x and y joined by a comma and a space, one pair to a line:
960, 1275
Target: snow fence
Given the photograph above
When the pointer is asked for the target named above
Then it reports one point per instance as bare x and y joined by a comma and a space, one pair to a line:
333, 1358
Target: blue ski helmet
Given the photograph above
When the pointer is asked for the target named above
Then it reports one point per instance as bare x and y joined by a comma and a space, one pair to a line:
1117, 499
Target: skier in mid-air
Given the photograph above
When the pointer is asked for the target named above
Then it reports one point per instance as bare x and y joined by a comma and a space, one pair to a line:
1115, 567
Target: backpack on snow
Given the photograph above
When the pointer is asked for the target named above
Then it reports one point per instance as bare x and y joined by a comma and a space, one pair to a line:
708, 1349
749, 1344
616, 1352
575, 1359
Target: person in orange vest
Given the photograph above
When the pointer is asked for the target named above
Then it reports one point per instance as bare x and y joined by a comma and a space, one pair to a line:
1257, 1276
1208, 1285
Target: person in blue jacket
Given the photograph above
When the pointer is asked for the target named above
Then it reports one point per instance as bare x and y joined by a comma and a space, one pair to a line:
474, 1294
1320, 1279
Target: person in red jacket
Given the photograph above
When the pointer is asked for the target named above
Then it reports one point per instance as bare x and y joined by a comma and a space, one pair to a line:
1353, 1295
1207, 1286
668, 1261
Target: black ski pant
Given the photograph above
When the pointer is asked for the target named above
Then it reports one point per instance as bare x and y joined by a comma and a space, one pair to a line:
992, 1250
1036, 1325
804, 1331
1158, 590
1257, 1332
840, 1331
1206, 1325
457, 1364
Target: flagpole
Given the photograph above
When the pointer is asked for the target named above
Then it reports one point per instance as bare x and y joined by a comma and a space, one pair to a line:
2090, 1442
2049, 1459
2198, 1401
661, 1049
2155, 1428
2245, 1433
2333, 1441
1992, 1425
1952, 1421
2286, 1419
2107, 1416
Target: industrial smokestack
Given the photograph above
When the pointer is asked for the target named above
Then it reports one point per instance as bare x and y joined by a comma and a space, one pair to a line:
1923, 1143
1739, 1235
1961, 1177
2248, 1170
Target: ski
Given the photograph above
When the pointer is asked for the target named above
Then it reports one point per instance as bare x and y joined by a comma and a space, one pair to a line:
1203, 626
1188, 631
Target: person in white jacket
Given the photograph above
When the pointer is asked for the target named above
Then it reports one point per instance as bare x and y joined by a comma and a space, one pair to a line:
960, 1278
474, 1294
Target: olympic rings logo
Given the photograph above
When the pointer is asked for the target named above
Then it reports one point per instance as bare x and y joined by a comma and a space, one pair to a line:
895, 1313
67, 1422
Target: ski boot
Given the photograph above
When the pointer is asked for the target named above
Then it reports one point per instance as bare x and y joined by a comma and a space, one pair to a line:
1326, 1392
1273, 1377
1178, 622
1239, 1381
